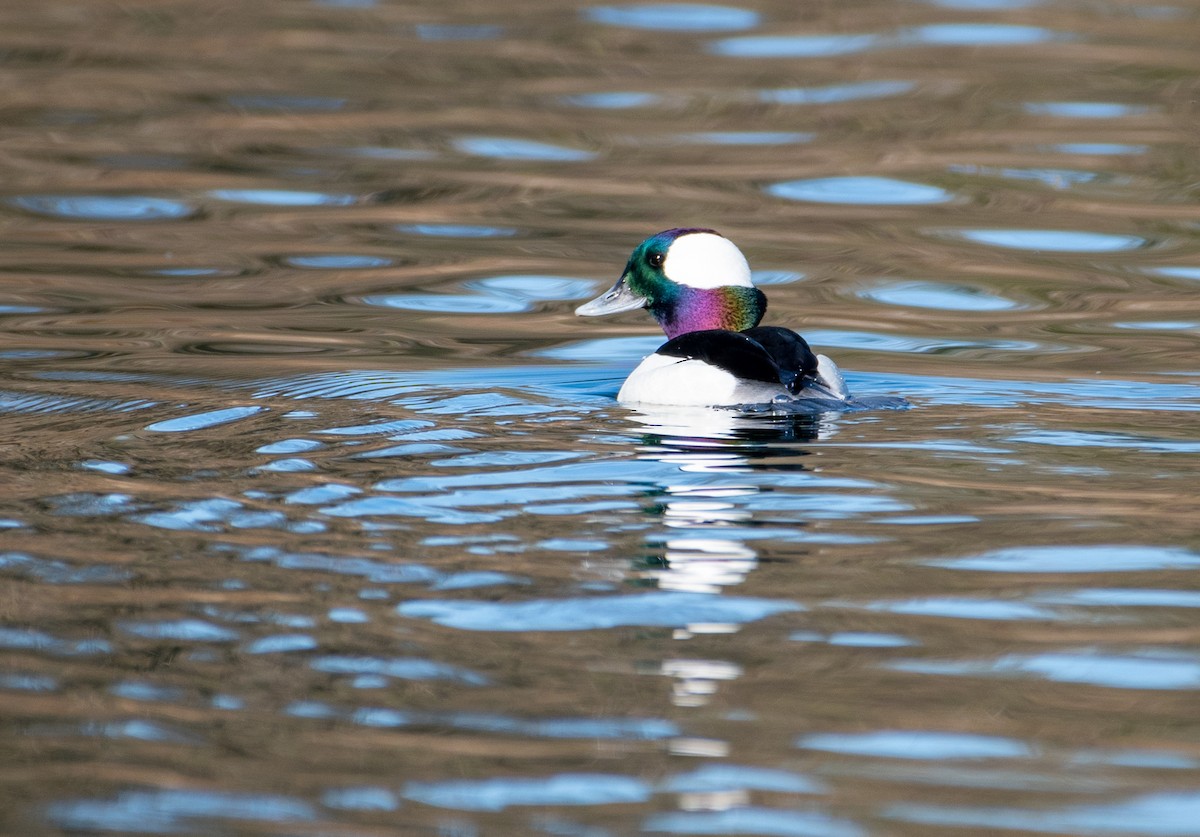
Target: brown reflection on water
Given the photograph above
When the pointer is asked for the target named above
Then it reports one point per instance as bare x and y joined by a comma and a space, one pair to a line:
287, 343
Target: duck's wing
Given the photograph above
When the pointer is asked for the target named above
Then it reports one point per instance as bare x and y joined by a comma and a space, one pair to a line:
736, 353
798, 365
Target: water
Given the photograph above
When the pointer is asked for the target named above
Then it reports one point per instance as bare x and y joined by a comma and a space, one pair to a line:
320, 515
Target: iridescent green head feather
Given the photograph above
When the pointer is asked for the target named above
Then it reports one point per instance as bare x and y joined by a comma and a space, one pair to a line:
690, 280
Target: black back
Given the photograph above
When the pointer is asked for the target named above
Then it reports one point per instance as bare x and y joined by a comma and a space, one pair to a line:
733, 351
789, 351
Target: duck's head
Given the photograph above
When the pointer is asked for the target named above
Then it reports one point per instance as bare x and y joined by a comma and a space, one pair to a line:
689, 280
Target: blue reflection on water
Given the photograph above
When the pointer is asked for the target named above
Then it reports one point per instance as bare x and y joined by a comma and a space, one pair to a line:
1084, 110
1117, 394
1167, 814
168, 811
1054, 178
873, 191
937, 34
281, 644
458, 32
836, 93
873, 342
614, 100
139, 730
1123, 597
917, 744
281, 197
60, 572
479, 578
360, 799
289, 446
1118, 441
498, 794
534, 287
750, 820
1101, 149
674, 17
854, 639
748, 137
1141, 670
1055, 241
796, 46
1075, 559
1159, 325
938, 296
457, 230
201, 421
714, 778
400, 668
104, 207
378, 428
140, 690
105, 467
621, 729
979, 34
187, 630
347, 615
34, 640
508, 148
378, 572
346, 261
665, 609
448, 303
965, 608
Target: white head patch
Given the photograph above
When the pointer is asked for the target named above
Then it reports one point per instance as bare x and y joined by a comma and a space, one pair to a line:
705, 260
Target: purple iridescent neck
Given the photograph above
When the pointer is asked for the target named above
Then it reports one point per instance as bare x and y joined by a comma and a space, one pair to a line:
731, 307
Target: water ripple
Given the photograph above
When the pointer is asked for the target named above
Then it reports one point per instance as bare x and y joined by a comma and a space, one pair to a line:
937, 296
282, 197
104, 207
665, 609
797, 46
457, 230
399, 668
873, 191
1143, 669
1166, 814
202, 421
917, 744
500, 793
1055, 241
173, 810
1084, 110
509, 148
712, 778
750, 820
674, 17
1075, 559
835, 93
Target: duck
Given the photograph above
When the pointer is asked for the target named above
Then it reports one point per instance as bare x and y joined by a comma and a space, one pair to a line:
697, 284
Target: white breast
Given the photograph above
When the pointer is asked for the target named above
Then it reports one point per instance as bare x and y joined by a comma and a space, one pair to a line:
681, 382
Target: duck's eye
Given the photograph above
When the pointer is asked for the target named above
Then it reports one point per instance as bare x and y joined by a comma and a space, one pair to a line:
656, 259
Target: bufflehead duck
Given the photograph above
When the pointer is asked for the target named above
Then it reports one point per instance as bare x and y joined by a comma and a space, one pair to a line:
697, 284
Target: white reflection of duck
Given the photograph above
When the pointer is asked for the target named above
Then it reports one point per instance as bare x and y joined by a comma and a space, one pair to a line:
697, 284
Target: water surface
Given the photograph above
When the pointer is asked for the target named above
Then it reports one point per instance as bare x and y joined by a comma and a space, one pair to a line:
320, 515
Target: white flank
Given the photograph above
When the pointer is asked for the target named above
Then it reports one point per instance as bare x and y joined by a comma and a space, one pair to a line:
829, 375
680, 382
705, 260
